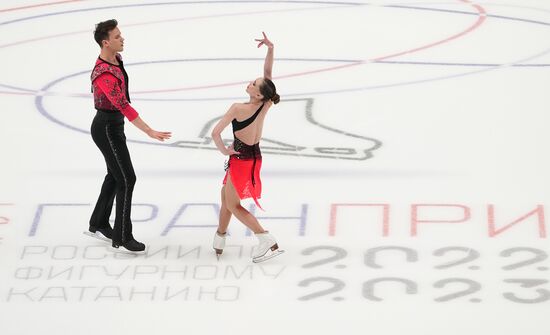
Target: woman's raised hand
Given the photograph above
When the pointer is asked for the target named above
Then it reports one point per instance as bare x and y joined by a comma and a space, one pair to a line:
265, 41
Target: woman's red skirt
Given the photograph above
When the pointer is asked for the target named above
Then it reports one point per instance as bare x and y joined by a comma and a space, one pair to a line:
245, 176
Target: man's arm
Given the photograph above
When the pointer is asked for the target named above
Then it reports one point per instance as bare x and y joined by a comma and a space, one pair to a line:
109, 85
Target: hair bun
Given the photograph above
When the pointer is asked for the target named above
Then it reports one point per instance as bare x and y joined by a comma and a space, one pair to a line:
276, 98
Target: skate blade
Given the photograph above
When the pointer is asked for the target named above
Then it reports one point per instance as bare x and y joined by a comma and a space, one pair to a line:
97, 235
218, 253
267, 256
122, 250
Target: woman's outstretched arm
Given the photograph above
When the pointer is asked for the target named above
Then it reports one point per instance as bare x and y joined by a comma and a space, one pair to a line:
268, 63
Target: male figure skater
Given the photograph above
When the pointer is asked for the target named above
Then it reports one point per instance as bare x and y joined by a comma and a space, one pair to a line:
112, 102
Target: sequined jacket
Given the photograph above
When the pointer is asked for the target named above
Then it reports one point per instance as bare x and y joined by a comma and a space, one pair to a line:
110, 88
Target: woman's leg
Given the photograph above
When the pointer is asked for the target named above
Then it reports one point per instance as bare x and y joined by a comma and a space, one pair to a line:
225, 214
233, 204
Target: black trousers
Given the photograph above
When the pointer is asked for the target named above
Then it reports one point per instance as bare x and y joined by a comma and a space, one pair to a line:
108, 134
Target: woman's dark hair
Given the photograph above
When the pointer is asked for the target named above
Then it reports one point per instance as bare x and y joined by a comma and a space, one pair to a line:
269, 91
102, 30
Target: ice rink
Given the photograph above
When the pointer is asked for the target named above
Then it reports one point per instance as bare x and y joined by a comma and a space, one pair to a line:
405, 171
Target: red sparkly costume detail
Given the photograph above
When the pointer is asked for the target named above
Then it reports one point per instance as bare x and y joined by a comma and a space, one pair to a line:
110, 88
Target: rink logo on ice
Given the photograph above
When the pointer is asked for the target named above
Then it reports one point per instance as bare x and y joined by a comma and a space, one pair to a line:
296, 132
312, 138
68, 273
225, 293
4, 219
439, 220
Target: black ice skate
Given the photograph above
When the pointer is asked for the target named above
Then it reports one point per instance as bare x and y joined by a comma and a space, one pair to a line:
131, 246
104, 234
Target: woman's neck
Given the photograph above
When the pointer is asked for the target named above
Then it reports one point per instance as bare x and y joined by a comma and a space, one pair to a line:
254, 101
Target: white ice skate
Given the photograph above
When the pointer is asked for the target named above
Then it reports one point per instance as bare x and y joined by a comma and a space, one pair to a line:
266, 249
219, 243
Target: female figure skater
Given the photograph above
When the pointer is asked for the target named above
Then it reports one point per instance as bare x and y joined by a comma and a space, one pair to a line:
242, 178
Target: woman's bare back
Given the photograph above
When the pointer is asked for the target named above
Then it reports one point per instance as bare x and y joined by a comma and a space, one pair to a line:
253, 132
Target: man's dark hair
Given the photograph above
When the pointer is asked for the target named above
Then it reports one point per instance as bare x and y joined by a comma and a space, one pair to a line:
102, 30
